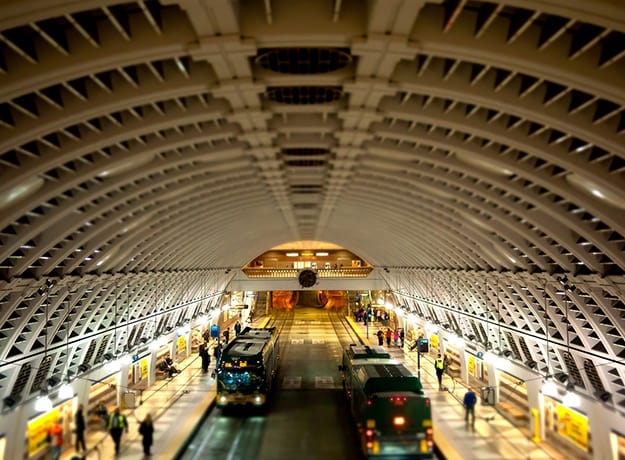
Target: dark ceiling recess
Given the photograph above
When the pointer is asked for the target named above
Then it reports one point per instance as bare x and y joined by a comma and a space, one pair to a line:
305, 152
303, 61
304, 94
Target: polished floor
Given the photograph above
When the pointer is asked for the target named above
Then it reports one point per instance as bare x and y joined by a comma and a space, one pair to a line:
178, 404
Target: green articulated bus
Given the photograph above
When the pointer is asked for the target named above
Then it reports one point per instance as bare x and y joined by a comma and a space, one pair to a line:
392, 414
247, 368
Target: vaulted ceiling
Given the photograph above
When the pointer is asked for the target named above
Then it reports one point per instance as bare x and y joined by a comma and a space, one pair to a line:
474, 149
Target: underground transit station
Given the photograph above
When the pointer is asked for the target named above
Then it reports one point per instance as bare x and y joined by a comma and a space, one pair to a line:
313, 229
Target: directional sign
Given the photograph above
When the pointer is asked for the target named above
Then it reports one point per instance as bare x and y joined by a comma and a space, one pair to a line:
292, 383
324, 382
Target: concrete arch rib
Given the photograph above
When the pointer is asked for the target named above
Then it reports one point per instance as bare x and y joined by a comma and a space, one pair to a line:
544, 215
505, 214
458, 87
15, 13
559, 217
159, 252
109, 137
451, 249
64, 212
497, 132
146, 199
104, 104
190, 254
521, 56
114, 52
605, 13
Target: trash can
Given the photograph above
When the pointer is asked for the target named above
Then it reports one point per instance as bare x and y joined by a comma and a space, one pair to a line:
488, 396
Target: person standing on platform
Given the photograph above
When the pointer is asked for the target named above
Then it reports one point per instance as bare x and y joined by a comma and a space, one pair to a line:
469, 402
395, 337
401, 337
217, 352
439, 367
205, 356
55, 435
380, 335
146, 430
79, 428
389, 334
116, 426
237, 328
227, 335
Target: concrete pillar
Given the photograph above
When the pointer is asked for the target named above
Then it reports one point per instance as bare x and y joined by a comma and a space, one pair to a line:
493, 378
464, 366
536, 401
122, 383
82, 387
152, 368
189, 344
600, 418
15, 445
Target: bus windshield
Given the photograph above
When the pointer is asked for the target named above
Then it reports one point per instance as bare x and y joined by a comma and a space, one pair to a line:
240, 379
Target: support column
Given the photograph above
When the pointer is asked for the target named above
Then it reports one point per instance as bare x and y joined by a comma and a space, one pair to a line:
536, 403
82, 387
493, 379
601, 419
15, 445
122, 383
152, 368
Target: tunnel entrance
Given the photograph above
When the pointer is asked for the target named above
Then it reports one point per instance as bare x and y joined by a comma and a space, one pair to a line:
310, 299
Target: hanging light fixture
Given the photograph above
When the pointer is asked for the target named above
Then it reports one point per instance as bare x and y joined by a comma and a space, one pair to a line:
571, 399
550, 388
43, 403
66, 391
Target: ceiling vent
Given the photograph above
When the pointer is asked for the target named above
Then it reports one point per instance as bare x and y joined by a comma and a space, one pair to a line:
303, 61
304, 95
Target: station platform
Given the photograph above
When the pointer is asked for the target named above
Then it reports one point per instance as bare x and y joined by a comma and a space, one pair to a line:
177, 404
493, 436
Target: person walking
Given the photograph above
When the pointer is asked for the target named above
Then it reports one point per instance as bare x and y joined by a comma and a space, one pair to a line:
227, 335
469, 401
79, 428
55, 435
237, 328
439, 367
116, 425
146, 430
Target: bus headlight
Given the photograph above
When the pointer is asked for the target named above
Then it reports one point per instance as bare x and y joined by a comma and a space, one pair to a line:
222, 399
259, 399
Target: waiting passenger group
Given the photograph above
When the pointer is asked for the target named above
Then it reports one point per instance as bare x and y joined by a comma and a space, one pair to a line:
396, 336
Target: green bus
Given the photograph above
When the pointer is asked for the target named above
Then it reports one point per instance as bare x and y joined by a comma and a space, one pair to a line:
247, 368
392, 414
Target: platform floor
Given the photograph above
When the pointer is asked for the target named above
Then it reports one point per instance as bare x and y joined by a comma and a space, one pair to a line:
493, 437
177, 405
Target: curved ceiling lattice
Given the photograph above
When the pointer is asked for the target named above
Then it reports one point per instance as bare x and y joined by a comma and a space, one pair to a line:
473, 148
